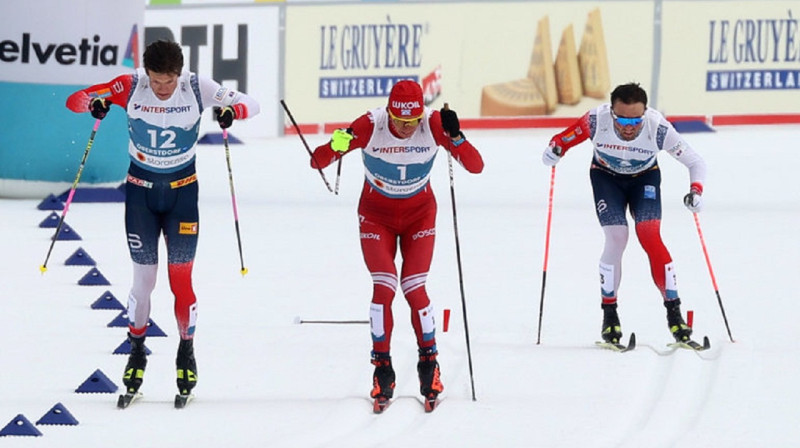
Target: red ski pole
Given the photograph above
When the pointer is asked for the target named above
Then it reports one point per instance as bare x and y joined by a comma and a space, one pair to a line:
546, 249
711, 273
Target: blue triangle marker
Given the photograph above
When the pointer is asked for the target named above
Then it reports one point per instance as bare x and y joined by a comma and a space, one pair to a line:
51, 203
93, 277
107, 301
125, 348
67, 233
80, 258
57, 415
51, 222
97, 383
153, 330
120, 321
20, 426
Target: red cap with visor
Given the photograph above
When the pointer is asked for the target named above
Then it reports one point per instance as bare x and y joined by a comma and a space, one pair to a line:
405, 101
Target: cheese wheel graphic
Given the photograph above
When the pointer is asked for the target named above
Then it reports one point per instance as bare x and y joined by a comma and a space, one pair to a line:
513, 98
568, 75
593, 58
541, 69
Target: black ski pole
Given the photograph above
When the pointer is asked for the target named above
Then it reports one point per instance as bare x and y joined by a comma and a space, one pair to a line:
460, 273
297, 128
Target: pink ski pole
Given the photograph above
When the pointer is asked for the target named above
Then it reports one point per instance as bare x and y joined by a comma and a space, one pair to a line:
233, 199
43, 267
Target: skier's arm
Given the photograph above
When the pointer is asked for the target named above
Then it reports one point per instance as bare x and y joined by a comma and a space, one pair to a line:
239, 104
461, 149
691, 159
361, 131
116, 92
566, 139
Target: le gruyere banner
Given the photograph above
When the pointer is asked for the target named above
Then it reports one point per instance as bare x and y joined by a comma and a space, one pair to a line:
502, 59
730, 57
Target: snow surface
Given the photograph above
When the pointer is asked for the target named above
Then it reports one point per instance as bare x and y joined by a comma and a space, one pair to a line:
265, 380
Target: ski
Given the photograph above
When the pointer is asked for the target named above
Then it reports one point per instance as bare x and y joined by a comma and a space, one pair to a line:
182, 400
431, 403
380, 404
692, 345
617, 347
126, 399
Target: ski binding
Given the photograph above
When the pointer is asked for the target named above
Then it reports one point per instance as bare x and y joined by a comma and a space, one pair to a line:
617, 347
127, 398
692, 345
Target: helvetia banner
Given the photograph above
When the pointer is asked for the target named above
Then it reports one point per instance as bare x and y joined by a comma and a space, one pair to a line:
49, 49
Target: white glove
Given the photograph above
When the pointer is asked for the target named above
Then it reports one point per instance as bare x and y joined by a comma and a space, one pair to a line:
693, 201
551, 154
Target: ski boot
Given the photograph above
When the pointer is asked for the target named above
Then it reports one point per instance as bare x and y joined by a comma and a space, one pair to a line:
430, 384
612, 331
134, 370
677, 326
382, 381
187, 372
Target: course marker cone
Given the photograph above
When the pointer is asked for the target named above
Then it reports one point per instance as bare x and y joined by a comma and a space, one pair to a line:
93, 278
80, 258
20, 426
57, 415
97, 383
107, 301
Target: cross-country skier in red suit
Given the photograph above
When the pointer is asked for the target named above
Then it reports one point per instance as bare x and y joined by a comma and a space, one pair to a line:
163, 103
399, 143
627, 138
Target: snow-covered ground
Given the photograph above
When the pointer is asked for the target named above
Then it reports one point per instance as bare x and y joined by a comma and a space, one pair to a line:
265, 380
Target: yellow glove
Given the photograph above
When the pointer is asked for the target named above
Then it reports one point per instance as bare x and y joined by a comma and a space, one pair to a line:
340, 140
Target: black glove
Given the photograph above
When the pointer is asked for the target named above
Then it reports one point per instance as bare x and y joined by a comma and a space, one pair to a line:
450, 123
99, 107
224, 116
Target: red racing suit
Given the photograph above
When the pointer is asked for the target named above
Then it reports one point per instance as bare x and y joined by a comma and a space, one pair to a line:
398, 208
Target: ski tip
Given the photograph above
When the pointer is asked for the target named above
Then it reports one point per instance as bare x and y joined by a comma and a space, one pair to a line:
182, 400
706, 343
431, 404
126, 399
380, 404
632, 341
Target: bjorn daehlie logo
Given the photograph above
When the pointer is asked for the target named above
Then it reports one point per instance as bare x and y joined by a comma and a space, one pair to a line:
88, 51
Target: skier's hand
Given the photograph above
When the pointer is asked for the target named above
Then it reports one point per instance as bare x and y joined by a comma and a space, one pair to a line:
694, 199
99, 107
340, 140
450, 123
552, 154
224, 116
